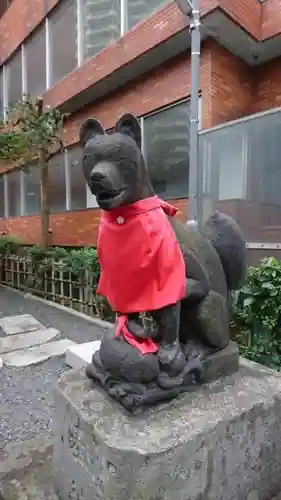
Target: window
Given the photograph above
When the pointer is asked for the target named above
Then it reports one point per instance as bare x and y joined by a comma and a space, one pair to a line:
2, 203
91, 199
166, 149
14, 79
14, 193
231, 158
63, 40
264, 168
35, 56
57, 186
32, 191
101, 24
137, 10
76, 179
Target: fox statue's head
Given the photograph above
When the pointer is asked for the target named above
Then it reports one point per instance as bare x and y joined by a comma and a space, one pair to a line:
113, 163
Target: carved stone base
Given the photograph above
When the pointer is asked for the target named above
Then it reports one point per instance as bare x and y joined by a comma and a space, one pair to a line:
222, 442
136, 381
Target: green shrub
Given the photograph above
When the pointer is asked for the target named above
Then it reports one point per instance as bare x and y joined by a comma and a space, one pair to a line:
72, 263
257, 316
9, 245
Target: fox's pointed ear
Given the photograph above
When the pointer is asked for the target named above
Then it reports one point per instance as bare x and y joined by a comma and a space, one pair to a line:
89, 129
128, 124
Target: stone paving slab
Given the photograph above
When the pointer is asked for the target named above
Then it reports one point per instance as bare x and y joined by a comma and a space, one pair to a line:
29, 339
13, 325
79, 355
37, 354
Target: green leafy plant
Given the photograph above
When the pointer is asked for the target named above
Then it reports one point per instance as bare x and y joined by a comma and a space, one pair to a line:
9, 245
36, 254
257, 316
30, 136
76, 261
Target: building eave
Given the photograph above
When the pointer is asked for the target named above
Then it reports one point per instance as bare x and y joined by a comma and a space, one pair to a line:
114, 68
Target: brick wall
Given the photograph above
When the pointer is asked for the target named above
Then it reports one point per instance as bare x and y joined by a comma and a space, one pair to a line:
267, 86
271, 19
232, 85
68, 228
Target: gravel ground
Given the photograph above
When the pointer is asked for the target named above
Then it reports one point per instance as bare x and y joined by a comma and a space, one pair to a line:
26, 400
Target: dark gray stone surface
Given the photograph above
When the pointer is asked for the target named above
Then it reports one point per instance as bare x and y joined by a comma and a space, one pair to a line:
220, 442
26, 399
26, 471
221, 363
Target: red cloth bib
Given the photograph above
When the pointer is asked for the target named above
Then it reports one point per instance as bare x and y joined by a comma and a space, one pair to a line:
142, 267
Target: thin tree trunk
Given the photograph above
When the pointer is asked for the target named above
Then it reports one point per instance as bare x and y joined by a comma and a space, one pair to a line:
45, 212
44, 188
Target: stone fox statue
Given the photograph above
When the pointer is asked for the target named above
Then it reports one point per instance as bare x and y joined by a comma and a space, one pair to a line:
197, 270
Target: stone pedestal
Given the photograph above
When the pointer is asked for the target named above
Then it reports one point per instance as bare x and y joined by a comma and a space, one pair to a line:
222, 442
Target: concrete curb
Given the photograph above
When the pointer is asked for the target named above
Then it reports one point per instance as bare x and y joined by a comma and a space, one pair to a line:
95, 321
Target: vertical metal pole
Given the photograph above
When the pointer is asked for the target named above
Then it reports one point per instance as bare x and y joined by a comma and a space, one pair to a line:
48, 54
195, 182
67, 174
23, 73
80, 31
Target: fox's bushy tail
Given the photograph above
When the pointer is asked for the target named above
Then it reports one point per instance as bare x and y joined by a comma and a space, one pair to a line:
227, 239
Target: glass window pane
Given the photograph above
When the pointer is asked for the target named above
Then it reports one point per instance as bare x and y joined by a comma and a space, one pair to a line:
57, 187
91, 199
14, 79
166, 146
35, 56
142, 9
32, 191
63, 40
2, 204
229, 164
245, 180
101, 24
264, 152
14, 194
77, 181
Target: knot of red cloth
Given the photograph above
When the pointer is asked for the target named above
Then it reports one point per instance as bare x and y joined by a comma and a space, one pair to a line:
145, 346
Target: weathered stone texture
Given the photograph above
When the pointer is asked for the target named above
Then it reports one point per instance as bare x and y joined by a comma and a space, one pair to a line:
221, 442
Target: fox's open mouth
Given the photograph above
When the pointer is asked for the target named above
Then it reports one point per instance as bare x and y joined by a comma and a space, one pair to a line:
109, 195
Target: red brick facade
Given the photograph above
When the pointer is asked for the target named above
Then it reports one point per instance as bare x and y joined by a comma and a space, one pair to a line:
230, 88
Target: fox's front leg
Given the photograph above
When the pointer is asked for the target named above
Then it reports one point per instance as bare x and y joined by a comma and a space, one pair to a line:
170, 355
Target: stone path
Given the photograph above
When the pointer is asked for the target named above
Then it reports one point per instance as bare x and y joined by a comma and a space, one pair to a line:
22, 323
29, 339
28, 342
26, 399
